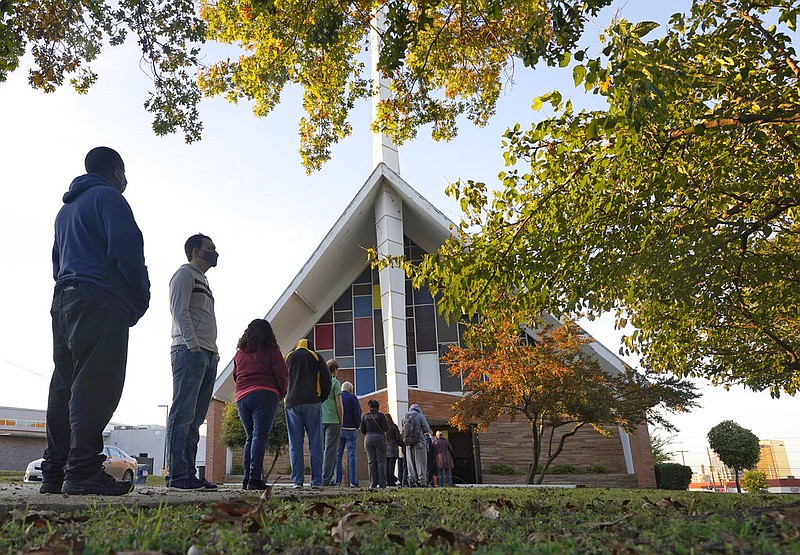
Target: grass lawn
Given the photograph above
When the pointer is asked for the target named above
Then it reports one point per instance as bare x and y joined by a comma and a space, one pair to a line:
416, 521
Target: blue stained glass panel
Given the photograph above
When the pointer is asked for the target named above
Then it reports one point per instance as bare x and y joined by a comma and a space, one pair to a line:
362, 306
364, 357
365, 380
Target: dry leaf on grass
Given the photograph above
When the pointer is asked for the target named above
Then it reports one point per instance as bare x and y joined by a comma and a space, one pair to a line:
247, 517
396, 538
454, 540
345, 530
57, 544
320, 509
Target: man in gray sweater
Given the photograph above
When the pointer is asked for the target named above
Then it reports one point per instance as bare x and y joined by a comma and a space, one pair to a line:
194, 359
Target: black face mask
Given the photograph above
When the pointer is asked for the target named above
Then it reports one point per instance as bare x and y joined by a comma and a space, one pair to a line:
210, 257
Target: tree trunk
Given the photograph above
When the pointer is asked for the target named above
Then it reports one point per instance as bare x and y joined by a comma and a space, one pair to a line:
736, 475
536, 448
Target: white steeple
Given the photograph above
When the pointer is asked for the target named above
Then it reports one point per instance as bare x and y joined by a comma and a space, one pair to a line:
383, 148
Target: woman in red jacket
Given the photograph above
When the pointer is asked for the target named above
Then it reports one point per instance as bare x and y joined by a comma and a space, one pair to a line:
261, 378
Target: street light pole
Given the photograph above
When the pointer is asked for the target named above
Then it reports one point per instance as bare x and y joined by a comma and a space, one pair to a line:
166, 425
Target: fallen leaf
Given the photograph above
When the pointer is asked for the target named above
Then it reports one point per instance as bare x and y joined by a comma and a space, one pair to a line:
491, 512
320, 509
234, 507
454, 540
345, 530
396, 538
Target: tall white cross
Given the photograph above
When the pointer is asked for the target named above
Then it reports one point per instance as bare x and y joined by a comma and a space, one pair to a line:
383, 148
389, 235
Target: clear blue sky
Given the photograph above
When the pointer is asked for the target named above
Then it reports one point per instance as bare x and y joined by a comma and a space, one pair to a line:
242, 185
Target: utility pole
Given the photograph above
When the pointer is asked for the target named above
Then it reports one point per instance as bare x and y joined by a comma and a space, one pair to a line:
164, 436
683, 459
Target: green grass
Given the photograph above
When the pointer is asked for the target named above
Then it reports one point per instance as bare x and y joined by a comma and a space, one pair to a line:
452, 520
11, 476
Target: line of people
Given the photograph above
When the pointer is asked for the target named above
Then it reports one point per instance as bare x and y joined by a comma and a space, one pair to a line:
102, 288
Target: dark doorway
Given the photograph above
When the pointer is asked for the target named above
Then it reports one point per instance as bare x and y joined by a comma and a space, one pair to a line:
463, 454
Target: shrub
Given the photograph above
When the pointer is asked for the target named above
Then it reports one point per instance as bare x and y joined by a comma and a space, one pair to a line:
562, 469
754, 481
238, 469
596, 469
673, 476
501, 469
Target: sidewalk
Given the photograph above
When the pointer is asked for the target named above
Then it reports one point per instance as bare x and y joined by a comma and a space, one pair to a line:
21, 496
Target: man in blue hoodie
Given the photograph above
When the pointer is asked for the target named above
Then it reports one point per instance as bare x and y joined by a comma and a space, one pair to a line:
102, 289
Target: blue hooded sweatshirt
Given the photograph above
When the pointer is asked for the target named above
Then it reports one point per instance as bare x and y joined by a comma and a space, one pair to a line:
99, 248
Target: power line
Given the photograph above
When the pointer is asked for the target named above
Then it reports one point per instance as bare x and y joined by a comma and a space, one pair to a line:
34, 372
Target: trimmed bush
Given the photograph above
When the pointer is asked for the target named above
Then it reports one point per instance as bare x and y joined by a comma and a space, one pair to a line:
755, 481
562, 469
502, 469
673, 476
596, 469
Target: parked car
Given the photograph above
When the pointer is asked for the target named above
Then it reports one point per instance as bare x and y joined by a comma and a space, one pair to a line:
118, 463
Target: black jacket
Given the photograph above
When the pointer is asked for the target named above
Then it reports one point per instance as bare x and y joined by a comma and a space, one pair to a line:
309, 377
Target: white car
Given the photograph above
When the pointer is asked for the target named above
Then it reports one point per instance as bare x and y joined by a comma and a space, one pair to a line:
118, 463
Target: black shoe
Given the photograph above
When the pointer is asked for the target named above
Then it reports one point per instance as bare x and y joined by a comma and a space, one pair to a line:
257, 484
208, 486
99, 484
245, 482
188, 484
51, 487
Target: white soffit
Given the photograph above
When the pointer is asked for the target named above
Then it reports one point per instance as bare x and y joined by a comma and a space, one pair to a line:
340, 258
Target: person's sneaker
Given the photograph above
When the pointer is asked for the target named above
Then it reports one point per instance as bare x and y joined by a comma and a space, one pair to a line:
187, 484
257, 484
99, 484
297, 486
208, 486
51, 487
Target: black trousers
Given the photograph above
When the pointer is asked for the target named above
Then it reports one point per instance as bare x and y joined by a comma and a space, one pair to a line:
90, 352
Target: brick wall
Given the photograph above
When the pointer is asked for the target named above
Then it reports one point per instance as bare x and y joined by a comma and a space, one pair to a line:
505, 442
16, 452
215, 450
511, 443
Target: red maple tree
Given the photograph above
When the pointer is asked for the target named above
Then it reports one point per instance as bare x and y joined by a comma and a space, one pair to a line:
555, 381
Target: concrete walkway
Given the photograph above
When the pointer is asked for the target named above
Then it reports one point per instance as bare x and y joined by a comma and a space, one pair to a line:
27, 495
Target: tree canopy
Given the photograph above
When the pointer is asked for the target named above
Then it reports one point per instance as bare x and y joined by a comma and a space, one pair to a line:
556, 384
676, 207
445, 58
736, 447
65, 36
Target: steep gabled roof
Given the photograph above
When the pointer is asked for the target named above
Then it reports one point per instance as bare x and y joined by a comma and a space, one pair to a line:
340, 258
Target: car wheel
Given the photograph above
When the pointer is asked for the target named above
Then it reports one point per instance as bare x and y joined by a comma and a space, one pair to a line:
128, 476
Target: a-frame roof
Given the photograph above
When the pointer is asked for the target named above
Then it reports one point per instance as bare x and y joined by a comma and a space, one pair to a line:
341, 257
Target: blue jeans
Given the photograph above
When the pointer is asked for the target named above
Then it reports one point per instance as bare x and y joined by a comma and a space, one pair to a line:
445, 476
257, 413
349, 439
300, 420
192, 385
90, 350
